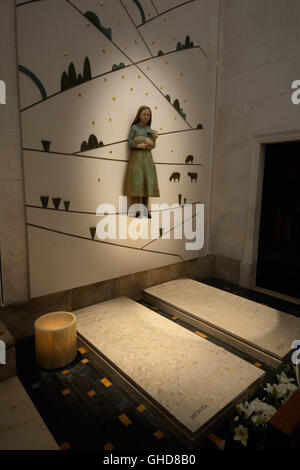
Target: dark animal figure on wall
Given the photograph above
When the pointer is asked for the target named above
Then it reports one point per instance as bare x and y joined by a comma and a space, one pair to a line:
193, 176
189, 159
175, 176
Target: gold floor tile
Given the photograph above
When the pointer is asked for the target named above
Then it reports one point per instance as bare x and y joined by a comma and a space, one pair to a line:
215, 439
108, 446
174, 318
82, 350
124, 419
66, 391
85, 361
158, 434
141, 408
201, 334
91, 393
64, 446
65, 371
257, 364
106, 382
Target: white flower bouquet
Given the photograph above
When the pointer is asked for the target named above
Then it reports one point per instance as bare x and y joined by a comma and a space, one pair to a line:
248, 427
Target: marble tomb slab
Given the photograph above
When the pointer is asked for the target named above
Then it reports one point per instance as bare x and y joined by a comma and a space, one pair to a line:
257, 329
191, 379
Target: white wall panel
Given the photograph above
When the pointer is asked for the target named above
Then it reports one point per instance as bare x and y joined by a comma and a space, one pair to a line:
58, 262
51, 35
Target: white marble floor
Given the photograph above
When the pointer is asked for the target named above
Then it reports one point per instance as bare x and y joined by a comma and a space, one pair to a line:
190, 377
256, 324
21, 426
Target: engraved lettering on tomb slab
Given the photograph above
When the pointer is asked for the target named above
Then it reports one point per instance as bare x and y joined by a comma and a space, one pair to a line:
198, 412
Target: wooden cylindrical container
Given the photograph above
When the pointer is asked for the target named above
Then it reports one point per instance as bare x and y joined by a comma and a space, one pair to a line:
55, 339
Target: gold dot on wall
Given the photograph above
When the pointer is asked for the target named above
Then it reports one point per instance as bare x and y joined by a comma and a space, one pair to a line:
104, 51
102, 3
161, 87
148, 68
88, 24
131, 89
185, 101
93, 122
153, 42
139, 76
66, 53
110, 151
99, 179
114, 99
155, 107
123, 76
125, 47
175, 117
80, 95
161, 129
119, 22
136, 41
146, 94
110, 119
105, 79
172, 151
174, 39
149, 14
167, 62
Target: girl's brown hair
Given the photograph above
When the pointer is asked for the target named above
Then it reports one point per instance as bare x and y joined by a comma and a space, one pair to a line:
139, 111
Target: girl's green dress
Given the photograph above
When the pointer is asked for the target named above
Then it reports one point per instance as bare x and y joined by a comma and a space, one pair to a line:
141, 177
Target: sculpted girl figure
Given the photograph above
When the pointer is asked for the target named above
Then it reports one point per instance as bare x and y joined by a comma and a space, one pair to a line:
141, 178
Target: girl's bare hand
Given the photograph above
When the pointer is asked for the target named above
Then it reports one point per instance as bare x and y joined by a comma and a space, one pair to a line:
148, 141
144, 146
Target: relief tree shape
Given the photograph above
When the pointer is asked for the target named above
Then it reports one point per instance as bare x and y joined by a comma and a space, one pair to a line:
118, 67
186, 45
70, 79
143, 16
35, 79
93, 18
176, 105
91, 144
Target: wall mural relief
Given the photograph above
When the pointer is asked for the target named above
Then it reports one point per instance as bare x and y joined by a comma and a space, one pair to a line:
85, 67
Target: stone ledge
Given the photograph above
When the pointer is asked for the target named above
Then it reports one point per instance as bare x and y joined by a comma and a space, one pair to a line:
9, 369
20, 317
21, 426
6, 336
